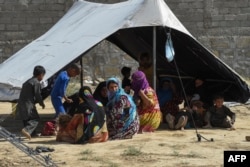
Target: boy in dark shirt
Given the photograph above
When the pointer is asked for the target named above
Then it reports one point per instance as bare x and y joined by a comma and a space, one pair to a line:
219, 114
29, 96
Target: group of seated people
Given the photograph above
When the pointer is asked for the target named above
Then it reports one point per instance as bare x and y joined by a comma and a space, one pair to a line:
119, 111
201, 109
110, 112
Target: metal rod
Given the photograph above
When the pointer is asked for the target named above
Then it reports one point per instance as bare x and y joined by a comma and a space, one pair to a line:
43, 160
81, 75
154, 58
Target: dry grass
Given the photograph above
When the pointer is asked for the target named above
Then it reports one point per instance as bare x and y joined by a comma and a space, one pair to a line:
132, 151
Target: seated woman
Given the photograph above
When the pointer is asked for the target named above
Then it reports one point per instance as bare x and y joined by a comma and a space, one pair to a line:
169, 103
87, 125
101, 94
147, 103
122, 118
166, 94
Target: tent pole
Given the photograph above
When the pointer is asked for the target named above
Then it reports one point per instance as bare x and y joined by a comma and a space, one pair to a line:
154, 58
81, 74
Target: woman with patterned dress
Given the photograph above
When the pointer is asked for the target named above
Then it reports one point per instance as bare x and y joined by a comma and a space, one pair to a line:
122, 118
88, 125
147, 103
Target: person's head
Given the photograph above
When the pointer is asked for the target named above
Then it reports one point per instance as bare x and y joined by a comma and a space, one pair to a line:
218, 101
126, 71
101, 91
63, 120
104, 91
112, 85
73, 70
39, 72
114, 88
145, 60
197, 105
198, 81
139, 82
165, 83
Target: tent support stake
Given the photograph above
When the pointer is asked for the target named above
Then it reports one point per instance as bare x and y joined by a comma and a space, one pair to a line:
154, 58
81, 74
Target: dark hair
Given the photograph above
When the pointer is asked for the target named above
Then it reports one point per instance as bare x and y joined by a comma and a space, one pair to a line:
163, 80
125, 70
98, 89
219, 96
97, 93
75, 67
38, 70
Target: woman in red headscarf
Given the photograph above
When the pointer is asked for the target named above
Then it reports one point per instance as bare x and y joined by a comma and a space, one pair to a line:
147, 103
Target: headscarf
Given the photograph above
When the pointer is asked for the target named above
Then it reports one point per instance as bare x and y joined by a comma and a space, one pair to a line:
97, 93
85, 96
94, 115
139, 81
114, 96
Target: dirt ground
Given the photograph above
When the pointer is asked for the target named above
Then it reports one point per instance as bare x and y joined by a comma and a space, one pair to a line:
160, 149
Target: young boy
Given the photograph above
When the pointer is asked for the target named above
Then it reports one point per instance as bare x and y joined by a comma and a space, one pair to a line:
59, 89
29, 96
219, 114
126, 82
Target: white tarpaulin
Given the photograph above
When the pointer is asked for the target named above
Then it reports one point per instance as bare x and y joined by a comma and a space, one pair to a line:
130, 26
84, 25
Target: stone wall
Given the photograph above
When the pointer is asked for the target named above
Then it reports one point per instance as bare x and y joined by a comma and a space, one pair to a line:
22, 21
223, 26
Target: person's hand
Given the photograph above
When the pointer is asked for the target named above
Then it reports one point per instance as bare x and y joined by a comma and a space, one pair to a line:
141, 92
138, 102
69, 100
233, 120
43, 106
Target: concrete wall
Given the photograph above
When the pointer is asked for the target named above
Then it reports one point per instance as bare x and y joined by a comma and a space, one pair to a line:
223, 26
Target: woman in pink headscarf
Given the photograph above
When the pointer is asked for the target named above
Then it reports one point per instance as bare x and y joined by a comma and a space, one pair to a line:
147, 103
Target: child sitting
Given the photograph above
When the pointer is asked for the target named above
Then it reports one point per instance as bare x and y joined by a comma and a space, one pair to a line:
198, 113
219, 115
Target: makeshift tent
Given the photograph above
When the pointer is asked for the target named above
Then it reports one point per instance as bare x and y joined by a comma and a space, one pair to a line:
130, 26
